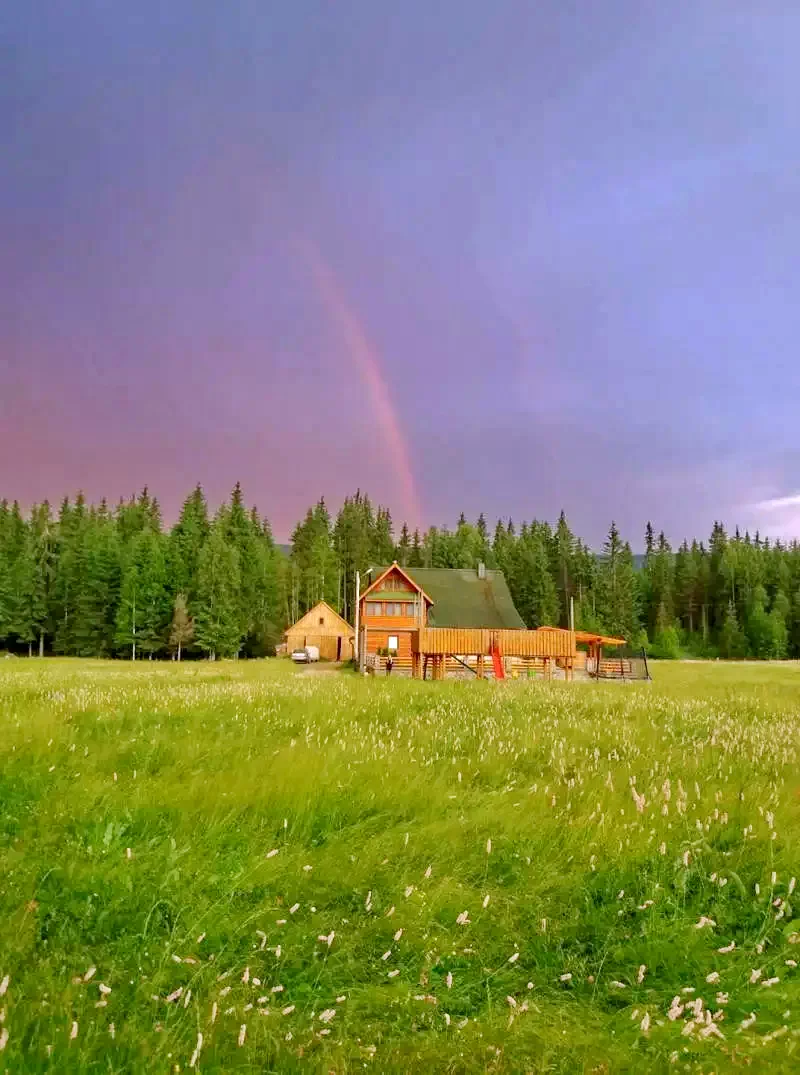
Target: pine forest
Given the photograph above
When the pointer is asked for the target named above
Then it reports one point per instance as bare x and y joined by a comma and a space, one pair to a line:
90, 580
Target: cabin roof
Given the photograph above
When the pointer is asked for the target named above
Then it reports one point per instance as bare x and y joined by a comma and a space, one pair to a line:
604, 640
462, 599
384, 571
313, 613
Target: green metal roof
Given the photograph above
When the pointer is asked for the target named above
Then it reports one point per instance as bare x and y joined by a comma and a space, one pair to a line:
462, 599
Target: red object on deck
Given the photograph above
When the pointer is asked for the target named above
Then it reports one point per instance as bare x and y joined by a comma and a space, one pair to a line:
497, 662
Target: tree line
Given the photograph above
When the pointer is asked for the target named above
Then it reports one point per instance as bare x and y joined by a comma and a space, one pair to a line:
95, 581
92, 582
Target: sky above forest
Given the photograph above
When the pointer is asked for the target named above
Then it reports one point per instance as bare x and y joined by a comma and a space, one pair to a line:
503, 257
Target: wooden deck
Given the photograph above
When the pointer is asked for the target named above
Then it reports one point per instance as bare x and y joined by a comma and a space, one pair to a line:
445, 647
546, 642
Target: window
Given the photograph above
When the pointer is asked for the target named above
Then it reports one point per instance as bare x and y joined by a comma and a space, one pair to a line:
374, 608
396, 608
392, 644
322, 621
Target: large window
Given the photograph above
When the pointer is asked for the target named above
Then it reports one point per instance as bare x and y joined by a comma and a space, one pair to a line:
374, 608
395, 608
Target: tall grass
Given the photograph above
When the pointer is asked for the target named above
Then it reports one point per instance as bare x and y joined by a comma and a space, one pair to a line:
245, 867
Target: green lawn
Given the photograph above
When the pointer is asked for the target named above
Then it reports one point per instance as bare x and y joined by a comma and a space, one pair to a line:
280, 871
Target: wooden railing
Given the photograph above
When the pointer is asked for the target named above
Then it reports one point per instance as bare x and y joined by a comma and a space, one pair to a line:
548, 642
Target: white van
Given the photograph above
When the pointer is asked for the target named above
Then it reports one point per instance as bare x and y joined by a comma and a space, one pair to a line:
305, 655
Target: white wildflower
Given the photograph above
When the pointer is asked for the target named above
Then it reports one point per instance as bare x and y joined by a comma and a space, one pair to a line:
675, 1009
242, 1034
727, 948
327, 1015
196, 1053
514, 958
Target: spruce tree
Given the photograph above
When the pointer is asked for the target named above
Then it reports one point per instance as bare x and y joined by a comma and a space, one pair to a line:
403, 551
216, 616
617, 588
143, 615
28, 605
6, 581
186, 541
415, 559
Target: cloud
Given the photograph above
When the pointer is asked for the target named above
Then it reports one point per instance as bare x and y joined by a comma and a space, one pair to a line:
791, 501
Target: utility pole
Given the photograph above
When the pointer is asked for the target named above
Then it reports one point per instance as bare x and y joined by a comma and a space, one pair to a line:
357, 645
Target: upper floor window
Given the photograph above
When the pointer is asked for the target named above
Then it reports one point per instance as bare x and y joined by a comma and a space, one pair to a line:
374, 608
394, 582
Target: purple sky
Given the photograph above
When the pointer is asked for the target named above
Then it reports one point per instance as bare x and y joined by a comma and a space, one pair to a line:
564, 241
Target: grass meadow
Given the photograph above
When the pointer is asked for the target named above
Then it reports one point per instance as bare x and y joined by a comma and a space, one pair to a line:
245, 867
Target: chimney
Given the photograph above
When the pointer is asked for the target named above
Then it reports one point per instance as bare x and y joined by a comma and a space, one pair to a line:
481, 570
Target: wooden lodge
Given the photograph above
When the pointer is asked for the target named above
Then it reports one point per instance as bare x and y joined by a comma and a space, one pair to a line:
435, 621
322, 627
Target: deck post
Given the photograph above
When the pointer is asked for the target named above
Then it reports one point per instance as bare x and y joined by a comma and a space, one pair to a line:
480, 666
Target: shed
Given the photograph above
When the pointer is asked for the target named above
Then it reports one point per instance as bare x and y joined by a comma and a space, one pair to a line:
322, 626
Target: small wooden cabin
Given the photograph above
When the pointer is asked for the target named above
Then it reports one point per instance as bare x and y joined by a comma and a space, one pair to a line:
323, 627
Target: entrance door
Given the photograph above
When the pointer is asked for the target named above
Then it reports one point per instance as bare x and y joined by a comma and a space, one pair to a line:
339, 648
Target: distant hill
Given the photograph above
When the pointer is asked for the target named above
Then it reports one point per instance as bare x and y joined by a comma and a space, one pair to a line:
285, 549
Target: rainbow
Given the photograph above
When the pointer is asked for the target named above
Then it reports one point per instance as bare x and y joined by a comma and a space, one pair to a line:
367, 363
